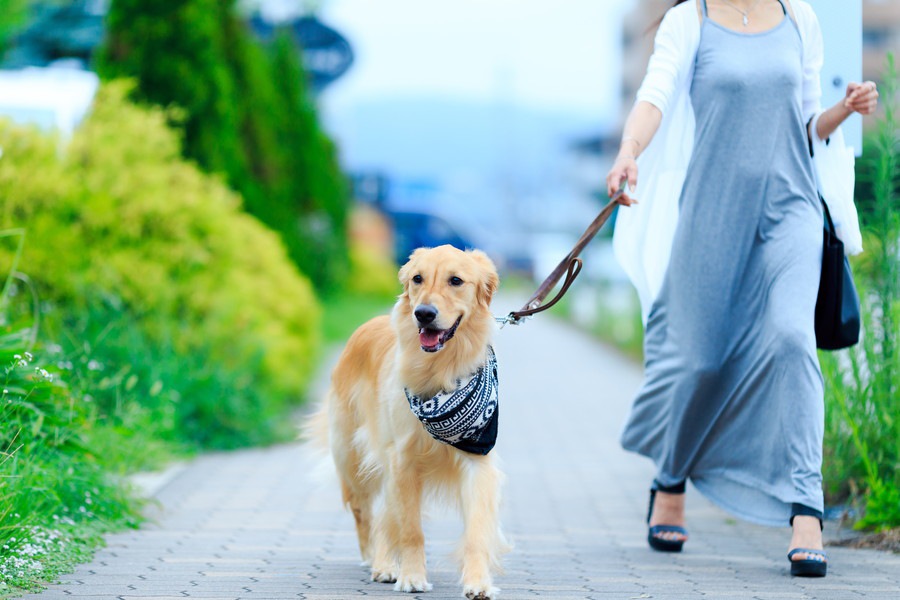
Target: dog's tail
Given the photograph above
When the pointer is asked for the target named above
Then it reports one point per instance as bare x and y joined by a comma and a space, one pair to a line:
314, 429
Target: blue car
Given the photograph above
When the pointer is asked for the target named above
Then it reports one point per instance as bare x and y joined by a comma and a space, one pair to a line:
417, 229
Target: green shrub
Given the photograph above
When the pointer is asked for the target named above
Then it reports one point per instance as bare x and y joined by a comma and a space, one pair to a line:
147, 259
862, 388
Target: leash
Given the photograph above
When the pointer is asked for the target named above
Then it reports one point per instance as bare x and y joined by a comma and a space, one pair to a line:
570, 266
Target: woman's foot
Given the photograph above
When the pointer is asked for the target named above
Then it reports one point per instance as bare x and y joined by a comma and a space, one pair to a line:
666, 519
807, 557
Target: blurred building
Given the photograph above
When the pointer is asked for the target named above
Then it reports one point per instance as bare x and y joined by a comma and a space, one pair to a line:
881, 34
638, 29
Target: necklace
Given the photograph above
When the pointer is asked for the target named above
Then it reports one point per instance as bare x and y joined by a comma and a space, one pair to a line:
745, 14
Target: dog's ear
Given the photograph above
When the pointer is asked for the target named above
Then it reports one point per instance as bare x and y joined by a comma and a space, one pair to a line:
490, 281
406, 271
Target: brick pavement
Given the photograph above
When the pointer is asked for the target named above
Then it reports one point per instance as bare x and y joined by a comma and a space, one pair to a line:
266, 523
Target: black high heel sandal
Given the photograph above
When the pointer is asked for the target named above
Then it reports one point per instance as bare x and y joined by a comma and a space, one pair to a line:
816, 562
653, 534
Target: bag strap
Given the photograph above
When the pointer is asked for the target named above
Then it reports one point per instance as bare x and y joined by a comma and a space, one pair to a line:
828, 222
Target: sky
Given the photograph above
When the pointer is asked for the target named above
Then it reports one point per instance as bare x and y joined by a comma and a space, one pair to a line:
539, 53
545, 54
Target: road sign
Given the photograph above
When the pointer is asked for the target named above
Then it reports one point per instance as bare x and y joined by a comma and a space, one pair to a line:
326, 53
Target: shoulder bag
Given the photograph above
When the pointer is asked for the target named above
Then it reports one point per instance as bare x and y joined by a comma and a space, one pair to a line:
837, 305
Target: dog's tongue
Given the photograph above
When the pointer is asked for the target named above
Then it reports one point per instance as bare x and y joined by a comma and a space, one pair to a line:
429, 337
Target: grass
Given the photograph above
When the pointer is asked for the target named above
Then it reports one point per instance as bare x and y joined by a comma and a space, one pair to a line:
344, 312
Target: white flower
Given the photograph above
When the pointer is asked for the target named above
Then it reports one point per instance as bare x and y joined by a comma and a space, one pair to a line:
43, 374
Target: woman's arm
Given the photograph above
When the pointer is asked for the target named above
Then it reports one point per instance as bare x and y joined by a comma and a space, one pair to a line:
860, 97
640, 127
673, 54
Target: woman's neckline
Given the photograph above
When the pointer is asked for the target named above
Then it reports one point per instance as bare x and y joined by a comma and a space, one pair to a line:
772, 29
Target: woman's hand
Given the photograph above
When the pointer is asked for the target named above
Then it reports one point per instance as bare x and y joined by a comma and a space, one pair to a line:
861, 97
624, 169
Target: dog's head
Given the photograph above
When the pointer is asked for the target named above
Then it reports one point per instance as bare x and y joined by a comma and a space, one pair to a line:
446, 290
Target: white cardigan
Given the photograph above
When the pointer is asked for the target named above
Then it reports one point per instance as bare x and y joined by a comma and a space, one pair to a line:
644, 232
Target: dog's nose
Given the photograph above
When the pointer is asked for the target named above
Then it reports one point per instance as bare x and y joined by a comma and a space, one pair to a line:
425, 314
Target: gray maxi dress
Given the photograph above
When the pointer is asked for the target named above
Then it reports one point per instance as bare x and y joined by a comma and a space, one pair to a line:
732, 397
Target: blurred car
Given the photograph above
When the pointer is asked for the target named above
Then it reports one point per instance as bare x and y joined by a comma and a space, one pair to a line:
417, 229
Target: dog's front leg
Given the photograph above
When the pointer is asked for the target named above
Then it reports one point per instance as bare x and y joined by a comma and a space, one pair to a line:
483, 542
404, 499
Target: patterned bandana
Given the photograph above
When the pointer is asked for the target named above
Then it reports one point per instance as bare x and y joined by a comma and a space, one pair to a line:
466, 417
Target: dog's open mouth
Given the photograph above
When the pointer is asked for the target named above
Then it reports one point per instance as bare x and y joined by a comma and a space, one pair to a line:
433, 339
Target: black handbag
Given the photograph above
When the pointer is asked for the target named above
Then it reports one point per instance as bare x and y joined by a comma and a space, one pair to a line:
837, 306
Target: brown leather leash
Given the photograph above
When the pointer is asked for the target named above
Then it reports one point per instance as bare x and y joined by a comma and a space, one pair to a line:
570, 266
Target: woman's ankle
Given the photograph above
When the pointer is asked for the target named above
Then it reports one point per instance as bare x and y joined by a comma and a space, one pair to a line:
806, 532
668, 509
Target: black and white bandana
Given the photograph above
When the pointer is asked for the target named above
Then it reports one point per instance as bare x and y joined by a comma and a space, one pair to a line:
465, 417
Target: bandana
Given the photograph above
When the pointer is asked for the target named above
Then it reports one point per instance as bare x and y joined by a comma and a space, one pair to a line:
465, 417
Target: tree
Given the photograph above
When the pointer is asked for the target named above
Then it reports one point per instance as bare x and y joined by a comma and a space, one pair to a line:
322, 193
174, 50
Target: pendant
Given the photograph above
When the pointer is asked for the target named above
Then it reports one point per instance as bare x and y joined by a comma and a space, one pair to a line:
746, 21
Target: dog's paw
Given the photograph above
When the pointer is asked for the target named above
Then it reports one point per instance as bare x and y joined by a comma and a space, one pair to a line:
480, 592
412, 583
383, 576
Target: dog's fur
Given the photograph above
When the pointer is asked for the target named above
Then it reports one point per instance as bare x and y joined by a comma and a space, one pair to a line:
379, 447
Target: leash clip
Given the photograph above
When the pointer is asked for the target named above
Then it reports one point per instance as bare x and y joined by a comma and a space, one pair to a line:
509, 319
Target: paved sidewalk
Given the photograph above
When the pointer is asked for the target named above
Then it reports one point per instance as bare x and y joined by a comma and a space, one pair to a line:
264, 524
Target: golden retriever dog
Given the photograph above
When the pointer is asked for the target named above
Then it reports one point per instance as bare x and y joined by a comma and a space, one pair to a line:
437, 335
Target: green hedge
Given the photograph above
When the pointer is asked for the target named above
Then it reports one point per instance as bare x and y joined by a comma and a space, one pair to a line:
150, 261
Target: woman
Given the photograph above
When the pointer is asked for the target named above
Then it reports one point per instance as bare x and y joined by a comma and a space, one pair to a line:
733, 395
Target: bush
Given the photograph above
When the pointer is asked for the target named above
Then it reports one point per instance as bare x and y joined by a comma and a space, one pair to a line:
148, 260
862, 387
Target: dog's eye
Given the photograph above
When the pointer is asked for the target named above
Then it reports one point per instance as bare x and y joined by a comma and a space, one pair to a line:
456, 281
417, 279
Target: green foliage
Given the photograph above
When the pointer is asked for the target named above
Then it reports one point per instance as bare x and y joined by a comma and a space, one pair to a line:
862, 389
206, 332
58, 489
322, 190
246, 114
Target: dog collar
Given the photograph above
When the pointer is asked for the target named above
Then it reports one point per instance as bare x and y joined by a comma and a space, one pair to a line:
465, 417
